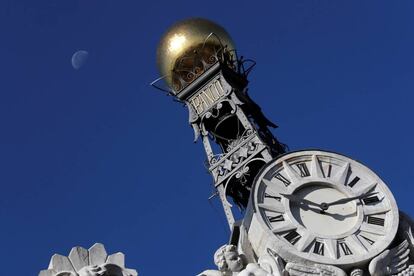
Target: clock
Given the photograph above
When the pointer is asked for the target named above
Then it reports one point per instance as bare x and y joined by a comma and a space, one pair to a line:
317, 206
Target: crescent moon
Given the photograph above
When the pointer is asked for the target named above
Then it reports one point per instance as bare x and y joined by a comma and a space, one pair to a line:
79, 59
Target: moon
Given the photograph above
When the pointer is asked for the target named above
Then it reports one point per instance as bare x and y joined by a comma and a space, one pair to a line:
79, 59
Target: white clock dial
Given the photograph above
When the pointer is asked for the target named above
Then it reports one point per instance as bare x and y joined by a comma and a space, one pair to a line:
322, 207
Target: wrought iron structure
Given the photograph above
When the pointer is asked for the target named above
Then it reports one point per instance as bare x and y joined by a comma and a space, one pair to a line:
212, 81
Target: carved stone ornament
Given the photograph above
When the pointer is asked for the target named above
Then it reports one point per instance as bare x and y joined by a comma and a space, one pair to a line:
315, 206
92, 262
231, 263
396, 260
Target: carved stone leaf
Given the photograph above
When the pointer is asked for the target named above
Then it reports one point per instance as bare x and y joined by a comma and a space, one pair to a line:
117, 258
79, 257
61, 263
92, 262
97, 254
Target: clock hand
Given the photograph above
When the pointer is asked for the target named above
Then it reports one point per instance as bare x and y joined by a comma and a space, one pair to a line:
300, 200
325, 206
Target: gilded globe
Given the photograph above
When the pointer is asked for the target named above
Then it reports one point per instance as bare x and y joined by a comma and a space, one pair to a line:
185, 38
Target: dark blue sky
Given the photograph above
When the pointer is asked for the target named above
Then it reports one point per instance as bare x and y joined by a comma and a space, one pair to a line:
97, 155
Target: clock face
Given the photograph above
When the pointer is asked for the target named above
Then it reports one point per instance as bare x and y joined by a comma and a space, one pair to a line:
324, 207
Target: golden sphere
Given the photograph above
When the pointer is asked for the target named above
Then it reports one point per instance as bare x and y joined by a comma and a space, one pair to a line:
185, 37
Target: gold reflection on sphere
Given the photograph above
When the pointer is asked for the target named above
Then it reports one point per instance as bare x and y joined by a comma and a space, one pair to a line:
186, 36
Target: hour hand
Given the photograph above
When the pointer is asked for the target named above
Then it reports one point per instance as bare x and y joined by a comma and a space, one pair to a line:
300, 200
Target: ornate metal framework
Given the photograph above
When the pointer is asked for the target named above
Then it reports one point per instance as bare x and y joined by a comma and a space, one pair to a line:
212, 82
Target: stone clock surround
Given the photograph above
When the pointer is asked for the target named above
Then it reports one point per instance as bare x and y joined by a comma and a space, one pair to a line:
262, 238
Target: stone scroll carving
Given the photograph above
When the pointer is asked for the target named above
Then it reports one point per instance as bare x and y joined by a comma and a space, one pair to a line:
88, 262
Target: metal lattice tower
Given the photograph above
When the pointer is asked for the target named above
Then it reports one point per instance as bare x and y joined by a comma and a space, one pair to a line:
209, 78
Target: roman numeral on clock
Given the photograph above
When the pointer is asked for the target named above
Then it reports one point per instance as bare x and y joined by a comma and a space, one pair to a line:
318, 248
303, 169
370, 200
353, 181
371, 242
292, 237
276, 218
344, 248
283, 179
278, 198
328, 173
375, 220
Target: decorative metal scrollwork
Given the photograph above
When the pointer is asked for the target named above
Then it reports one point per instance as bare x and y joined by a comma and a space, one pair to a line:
242, 174
228, 163
199, 60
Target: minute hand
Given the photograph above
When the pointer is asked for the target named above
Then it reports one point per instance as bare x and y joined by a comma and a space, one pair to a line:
300, 200
346, 200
